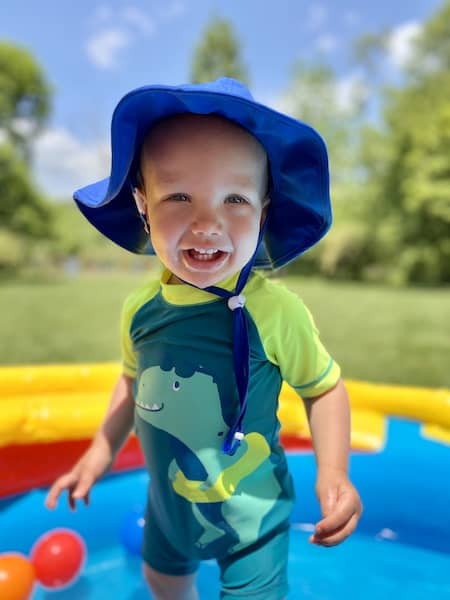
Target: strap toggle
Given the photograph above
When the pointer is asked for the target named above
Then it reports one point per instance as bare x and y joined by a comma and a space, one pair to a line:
236, 302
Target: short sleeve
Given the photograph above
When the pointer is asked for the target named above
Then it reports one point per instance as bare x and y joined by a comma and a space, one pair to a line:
129, 364
131, 305
291, 340
303, 360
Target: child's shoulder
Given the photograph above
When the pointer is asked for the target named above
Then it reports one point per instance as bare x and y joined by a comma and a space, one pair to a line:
262, 290
270, 301
141, 295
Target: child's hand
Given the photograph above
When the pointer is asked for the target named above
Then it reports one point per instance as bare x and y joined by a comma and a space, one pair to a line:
341, 507
79, 480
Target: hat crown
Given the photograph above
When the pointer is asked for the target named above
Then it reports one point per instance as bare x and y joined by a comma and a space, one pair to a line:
223, 85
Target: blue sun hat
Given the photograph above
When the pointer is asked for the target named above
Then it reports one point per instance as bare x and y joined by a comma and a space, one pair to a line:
299, 212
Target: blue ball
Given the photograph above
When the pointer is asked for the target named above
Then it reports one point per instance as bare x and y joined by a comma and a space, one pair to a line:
131, 532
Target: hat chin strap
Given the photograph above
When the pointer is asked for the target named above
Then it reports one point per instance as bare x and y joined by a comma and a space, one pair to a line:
241, 347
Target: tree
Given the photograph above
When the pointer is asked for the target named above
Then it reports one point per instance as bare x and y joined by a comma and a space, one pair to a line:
408, 166
25, 217
218, 54
433, 46
411, 209
316, 96
24, 106
22, 210
24, 96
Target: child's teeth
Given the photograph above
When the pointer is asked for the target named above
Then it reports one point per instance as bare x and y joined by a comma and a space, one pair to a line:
207, 251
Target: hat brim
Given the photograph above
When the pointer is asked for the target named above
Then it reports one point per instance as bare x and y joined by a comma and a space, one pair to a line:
299, 214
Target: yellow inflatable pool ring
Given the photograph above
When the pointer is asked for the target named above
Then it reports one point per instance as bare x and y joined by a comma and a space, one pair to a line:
67, 402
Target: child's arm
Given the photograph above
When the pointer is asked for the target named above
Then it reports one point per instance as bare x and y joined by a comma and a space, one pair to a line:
329, 420
110, 436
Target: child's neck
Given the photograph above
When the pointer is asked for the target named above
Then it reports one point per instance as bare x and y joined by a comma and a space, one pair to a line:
173, 280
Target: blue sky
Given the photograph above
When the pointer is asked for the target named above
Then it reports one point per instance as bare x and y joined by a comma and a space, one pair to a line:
93, 52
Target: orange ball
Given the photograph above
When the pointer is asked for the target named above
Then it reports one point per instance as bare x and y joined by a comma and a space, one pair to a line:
16, 577
58, 557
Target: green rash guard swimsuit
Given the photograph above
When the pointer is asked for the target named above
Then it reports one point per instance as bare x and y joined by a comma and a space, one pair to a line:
177, 345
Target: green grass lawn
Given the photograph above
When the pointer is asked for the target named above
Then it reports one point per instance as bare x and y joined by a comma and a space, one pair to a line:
376, 334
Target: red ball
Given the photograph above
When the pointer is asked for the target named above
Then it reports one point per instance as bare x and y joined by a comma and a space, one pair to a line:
58, 557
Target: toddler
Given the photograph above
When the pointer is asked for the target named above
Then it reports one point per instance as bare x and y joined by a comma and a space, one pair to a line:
216, 184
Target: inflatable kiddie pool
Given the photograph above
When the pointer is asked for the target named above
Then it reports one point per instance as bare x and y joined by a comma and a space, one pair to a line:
400, 464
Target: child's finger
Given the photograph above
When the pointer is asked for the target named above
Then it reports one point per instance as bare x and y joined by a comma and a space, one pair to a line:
336, 519
335, 537
84, 485
66, 481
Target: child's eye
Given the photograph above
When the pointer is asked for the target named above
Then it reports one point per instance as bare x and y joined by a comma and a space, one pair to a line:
236, 199
179, 198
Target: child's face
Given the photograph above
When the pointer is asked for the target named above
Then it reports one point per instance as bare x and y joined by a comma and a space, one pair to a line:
204, 186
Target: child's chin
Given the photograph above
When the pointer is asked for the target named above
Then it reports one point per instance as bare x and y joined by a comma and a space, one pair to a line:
203, 280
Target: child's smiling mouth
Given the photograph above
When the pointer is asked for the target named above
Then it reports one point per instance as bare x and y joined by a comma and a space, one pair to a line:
204, 258
210, 254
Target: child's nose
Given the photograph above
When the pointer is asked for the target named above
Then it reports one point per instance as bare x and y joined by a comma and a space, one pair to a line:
206, 224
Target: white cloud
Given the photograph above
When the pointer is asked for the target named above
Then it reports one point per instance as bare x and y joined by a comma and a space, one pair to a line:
63, 163
326, 43
401, 43
115, 31
23, 126
139, 19
317, 14
103, 48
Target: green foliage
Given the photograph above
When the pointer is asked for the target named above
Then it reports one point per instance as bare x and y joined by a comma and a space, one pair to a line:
369, 49
393, 222
24, 95
74, 236
433, 47
77, 243
22, 210
12, 252
25, 217
347, 251
313, 97
218, 54
408, 167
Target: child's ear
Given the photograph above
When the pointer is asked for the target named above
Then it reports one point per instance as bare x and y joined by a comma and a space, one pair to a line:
265, 208
140, 200
141, 205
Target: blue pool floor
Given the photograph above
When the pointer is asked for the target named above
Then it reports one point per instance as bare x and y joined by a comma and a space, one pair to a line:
400, 551
360, 569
